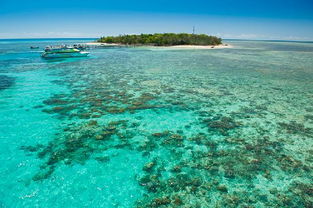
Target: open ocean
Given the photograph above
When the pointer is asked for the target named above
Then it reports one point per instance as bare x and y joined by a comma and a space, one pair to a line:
157, 127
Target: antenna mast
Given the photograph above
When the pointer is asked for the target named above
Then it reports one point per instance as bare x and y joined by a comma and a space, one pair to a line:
193, 30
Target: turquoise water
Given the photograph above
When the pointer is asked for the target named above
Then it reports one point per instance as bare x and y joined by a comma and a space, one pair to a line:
157, 127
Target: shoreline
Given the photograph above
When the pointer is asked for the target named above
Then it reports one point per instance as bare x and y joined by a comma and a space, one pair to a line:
201, 46
221, 46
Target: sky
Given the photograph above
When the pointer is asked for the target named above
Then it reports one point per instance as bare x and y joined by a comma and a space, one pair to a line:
238, 19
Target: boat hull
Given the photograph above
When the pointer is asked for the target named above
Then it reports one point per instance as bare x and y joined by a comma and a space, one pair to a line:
65, 55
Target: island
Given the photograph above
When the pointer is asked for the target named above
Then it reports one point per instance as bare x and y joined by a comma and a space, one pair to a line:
163, 39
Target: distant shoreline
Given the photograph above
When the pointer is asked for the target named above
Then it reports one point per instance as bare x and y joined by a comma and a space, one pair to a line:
163, 39
226, 39
221, 46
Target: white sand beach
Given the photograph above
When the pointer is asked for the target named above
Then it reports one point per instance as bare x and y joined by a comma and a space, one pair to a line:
102, 44
201, 46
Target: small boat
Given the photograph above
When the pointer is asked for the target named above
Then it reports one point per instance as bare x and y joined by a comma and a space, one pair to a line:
34, 47
63, 52
80, 46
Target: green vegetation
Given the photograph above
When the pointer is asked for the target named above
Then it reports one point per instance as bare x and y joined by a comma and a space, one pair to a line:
164, 39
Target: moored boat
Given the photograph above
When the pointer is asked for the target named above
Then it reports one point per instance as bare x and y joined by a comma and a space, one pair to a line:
63, 52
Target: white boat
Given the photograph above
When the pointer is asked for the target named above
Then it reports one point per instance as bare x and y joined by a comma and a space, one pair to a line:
63, 52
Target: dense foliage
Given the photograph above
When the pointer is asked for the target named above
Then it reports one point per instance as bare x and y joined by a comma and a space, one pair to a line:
164, 39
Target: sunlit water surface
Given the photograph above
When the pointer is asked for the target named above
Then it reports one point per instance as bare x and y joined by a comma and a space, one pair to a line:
157, 127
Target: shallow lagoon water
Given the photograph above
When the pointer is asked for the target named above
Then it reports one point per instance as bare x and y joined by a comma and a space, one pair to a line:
153, 127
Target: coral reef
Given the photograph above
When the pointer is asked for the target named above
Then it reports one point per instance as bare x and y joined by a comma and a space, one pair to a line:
208, 139
6, 82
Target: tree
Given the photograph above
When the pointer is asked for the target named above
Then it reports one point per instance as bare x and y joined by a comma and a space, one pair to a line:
164, 39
